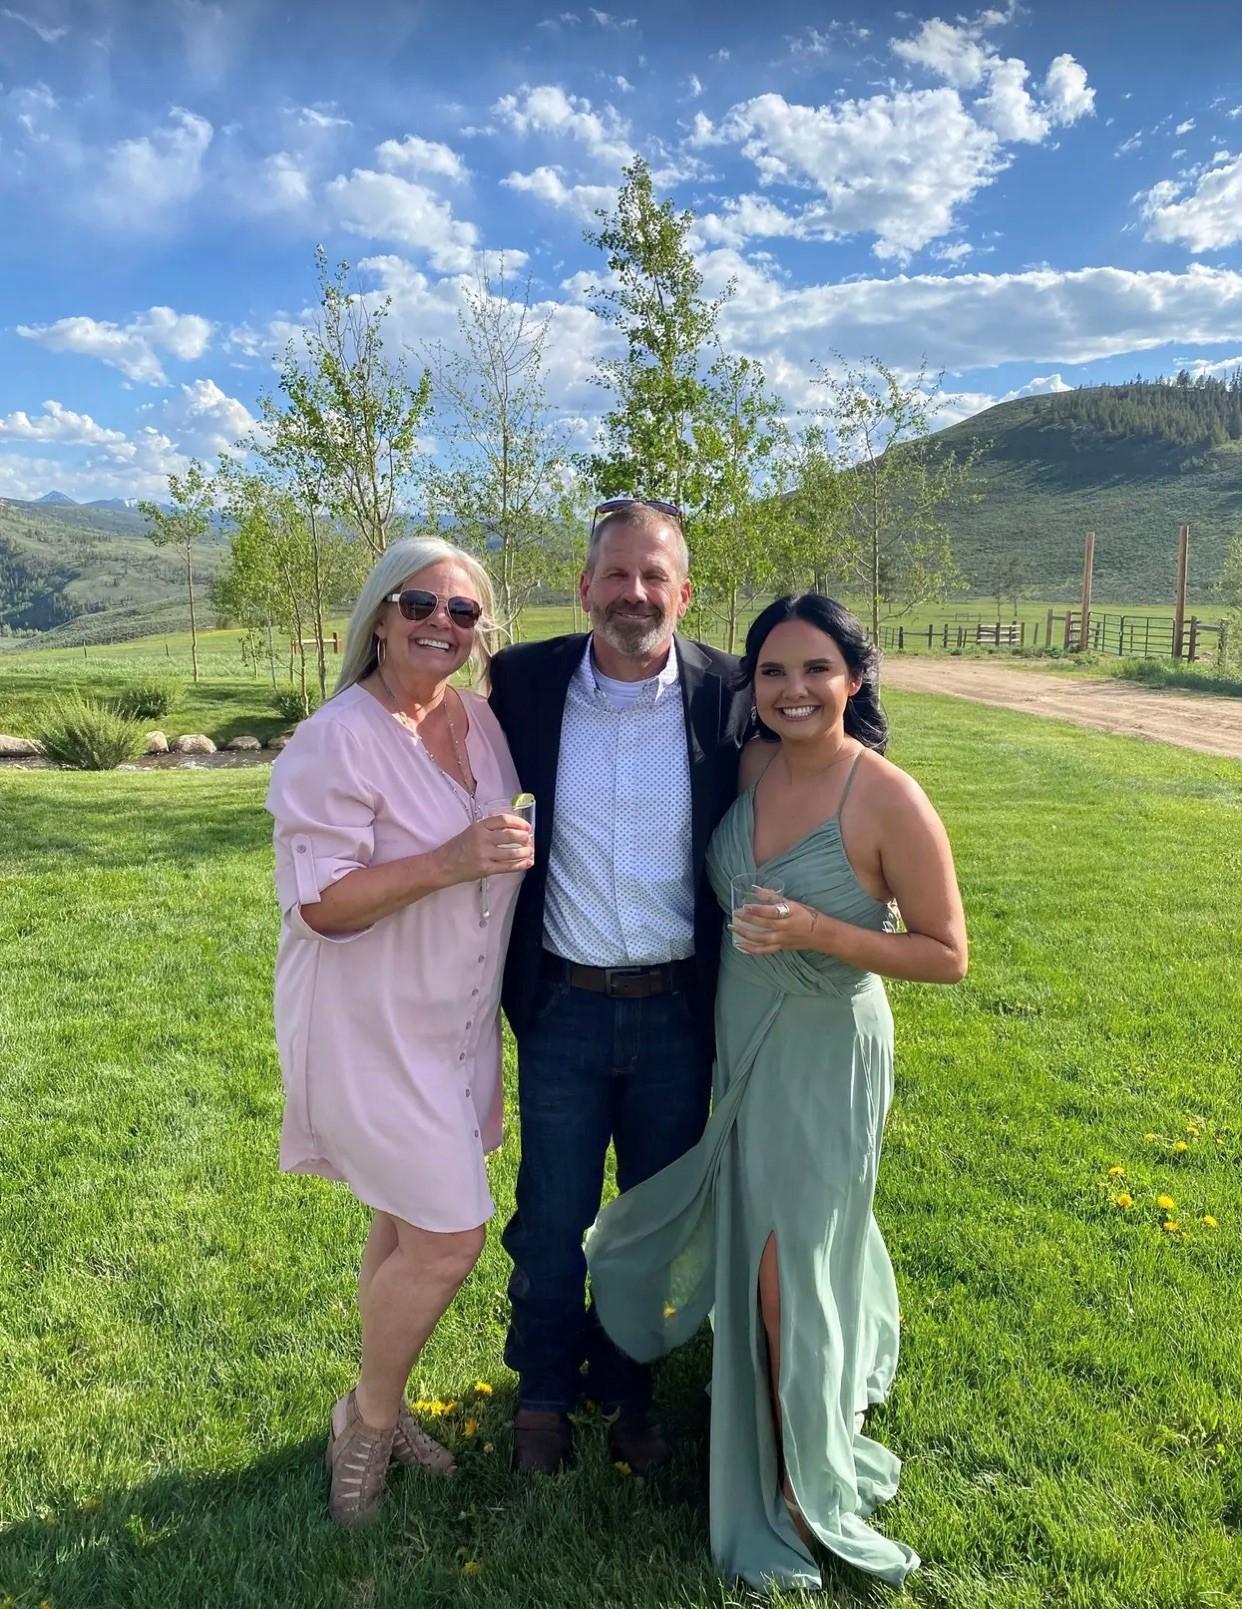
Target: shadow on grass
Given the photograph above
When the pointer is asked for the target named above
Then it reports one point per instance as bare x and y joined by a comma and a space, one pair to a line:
259, 1535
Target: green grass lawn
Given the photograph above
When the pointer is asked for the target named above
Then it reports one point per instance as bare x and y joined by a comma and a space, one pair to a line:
176, 1316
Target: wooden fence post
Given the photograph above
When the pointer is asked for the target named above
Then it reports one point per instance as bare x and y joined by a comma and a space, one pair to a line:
901, 637
1194, 640
1179, 605
1048, 630
1088, 567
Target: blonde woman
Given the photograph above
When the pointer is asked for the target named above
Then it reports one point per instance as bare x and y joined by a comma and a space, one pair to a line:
396, 888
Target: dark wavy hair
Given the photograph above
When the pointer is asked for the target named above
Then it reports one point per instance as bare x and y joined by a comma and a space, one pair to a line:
864, 719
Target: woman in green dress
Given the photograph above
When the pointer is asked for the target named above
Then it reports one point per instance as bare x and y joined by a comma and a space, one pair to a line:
768, 1222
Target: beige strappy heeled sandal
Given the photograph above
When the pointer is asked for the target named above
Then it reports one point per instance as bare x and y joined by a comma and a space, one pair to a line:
358, 1456
413, 1447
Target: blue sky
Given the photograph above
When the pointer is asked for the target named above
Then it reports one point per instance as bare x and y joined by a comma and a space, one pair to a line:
1033, 196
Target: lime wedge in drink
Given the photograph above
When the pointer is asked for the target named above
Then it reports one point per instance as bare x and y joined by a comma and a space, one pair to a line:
523, 801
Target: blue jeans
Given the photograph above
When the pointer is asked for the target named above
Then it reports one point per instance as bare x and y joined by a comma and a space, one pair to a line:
590, 1069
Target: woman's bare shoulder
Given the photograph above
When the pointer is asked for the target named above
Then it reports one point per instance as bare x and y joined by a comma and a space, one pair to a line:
754, 760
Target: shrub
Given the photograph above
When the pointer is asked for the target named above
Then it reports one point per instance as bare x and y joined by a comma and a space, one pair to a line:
146, 701
293, 706
85, 734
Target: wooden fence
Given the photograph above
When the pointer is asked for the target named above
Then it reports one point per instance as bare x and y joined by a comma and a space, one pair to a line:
1129, 636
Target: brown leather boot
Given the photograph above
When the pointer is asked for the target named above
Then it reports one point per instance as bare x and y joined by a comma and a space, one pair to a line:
543, 1443
640, 1442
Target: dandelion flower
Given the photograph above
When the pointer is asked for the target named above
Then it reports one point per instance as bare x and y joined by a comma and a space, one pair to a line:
622, 1467
1192, 1128
1170, 1226
669, 1310
1166, 1203
1125, 1199
471, 1427
489, 1447
1117, 1172
482, 1389
1208, 1221
1180, 1145
471, 1567
1151, 1138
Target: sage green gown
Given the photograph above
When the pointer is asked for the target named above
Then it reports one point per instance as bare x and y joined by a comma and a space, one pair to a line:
803, 1081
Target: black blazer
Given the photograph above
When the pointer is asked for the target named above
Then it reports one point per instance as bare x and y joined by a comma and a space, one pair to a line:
529, 684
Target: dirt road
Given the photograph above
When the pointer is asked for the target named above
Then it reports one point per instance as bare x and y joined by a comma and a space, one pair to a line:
1200, 721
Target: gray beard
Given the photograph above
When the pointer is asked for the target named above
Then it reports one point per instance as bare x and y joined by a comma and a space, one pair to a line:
636, 639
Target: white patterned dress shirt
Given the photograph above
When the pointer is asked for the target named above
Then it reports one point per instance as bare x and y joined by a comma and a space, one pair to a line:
620, 888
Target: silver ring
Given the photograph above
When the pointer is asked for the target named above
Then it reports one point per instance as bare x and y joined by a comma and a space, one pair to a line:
782, 910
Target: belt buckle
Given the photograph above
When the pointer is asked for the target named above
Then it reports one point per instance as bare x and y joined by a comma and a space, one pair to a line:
614, 973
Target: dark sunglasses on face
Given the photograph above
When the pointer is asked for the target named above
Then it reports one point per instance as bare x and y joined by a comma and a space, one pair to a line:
614, 505
415, 604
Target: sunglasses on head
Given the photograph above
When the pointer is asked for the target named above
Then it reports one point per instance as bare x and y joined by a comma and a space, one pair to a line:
614, 505
416, 604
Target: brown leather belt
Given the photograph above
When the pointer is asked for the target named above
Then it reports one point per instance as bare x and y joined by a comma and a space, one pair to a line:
620, 983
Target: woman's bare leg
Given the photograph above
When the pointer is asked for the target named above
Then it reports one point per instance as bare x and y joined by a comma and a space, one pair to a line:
401, 1300
770, 1311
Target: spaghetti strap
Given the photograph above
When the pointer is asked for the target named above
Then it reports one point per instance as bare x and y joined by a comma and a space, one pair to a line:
849, 783
775, 751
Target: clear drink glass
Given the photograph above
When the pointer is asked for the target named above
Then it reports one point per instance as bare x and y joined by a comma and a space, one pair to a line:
745, 889
522, 805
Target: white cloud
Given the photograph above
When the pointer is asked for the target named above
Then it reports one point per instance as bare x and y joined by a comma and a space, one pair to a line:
623, 84
204, 420
978, 320
416, 155
132, 348
547, 109
896, 166
1068, 95
46, 32
280, 184
952, 53
1213, 368
59, 424
1185, 128
962, 55
1008, 108
1206, 217
162, 169
719, 56
548, 184
383, 206
1234, 111
323, 116
425, 311
567, 19
694, 86
605, 19
1132, 143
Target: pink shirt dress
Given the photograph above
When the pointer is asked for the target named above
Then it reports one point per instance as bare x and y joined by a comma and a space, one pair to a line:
389, 1038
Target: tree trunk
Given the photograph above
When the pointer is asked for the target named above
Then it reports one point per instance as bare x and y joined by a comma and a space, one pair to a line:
732, 631
271, 655
189, 582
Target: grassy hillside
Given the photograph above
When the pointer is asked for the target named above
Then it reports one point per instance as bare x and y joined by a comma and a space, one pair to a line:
1047, 476
60, 564
1130, 462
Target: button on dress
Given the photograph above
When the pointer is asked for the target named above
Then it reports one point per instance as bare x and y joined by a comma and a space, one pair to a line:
389, 1038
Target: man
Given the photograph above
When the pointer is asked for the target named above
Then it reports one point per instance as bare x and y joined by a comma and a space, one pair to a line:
629, 738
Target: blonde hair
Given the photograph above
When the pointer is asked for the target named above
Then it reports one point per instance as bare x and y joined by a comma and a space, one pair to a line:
396, 564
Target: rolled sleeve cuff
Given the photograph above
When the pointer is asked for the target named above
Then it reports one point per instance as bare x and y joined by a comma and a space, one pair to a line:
311, 875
